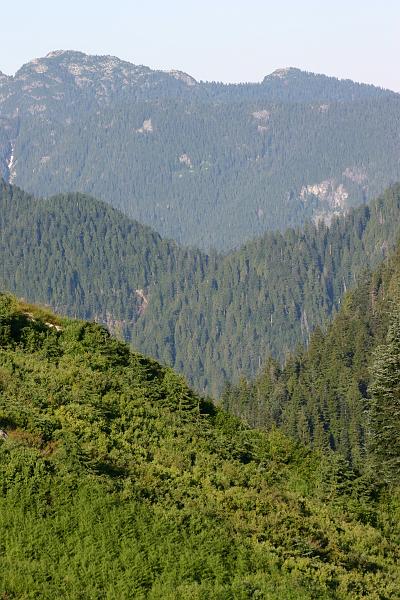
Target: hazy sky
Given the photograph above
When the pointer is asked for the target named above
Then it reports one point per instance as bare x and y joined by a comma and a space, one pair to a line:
223, 40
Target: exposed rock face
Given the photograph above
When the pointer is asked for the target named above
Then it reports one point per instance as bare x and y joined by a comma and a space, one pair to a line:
332, 199
11, 164
332, 195
147, 127
322, 108
283, 72
328, 192
144, 299
185, 160
262, 115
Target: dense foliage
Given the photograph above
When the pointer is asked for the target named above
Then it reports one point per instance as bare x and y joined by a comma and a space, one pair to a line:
204, 163
210, 317
342, 392
84, 258
117, 481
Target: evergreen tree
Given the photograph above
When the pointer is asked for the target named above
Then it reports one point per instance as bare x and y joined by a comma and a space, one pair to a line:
384, 411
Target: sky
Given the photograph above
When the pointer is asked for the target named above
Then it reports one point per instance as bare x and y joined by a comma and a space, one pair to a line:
230, 41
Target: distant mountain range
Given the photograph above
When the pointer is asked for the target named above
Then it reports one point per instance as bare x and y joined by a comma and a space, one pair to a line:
206, 164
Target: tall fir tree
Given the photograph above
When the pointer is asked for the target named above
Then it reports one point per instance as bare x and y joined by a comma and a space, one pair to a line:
384, 411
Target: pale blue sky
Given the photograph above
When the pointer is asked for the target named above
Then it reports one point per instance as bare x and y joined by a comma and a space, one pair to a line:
236, 40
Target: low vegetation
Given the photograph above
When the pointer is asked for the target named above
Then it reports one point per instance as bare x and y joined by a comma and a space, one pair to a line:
117, 481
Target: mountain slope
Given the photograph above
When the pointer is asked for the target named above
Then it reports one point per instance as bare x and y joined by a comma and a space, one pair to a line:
204, 163
83, 257
117, 481
211, 317
268, 296
323, 393
292, 85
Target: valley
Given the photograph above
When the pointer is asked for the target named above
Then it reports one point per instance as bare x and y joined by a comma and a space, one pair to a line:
213, 317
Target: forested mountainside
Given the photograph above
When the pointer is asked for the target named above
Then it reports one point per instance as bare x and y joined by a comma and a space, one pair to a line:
117, 481
333, 392
213, 317
87, 259
267, 297
207, 164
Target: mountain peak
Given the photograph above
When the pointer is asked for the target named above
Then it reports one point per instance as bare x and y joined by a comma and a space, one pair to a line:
105, 76
284, 72
108, 61
69, 55
56, 53
81, 70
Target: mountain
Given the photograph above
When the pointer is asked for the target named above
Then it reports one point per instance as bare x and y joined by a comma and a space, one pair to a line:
291, 85
116, 480
62, 81
267, 297
212, 317
324, 393
207, 164
85, 258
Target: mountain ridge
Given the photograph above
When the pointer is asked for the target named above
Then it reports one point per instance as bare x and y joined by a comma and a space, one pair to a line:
280, 72
203, 163
292, 72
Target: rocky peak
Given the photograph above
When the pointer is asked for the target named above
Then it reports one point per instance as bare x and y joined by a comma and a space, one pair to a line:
57, 53
71, 62
283, 72
41, 86
106, 77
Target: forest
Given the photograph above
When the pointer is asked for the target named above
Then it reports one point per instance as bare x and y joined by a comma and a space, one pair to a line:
199, 335
118, 481
213, 317
328, 394
205, 164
